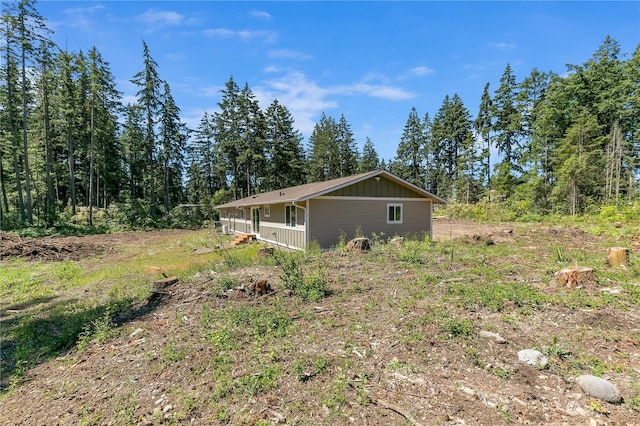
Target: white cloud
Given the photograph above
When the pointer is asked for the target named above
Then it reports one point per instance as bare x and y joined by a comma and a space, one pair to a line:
266, 36
306, 99
503, 46
158, 19
389, 93
79, 17
289, 54
421, 71
261, 14
303, 98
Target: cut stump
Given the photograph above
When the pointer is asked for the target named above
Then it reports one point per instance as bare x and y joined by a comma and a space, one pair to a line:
617, 256
161, 285
576, 276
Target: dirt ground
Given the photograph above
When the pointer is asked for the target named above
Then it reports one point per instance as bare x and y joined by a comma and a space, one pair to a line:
385, 377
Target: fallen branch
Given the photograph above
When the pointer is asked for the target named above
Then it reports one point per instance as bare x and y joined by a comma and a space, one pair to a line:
397, 410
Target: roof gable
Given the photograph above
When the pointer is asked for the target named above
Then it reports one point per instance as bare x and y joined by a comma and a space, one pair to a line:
311, 190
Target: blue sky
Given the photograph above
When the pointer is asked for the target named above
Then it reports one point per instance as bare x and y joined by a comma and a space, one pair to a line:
371, 61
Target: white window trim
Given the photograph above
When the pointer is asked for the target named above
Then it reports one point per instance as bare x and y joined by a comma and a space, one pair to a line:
401, 213
290, 208
267, 211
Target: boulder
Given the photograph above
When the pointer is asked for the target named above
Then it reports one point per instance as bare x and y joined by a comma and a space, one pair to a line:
533, 357
599, 388
492, 336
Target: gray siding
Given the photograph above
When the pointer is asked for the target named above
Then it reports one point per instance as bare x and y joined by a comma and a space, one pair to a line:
329, 218
290, 237
233, 222
382, 187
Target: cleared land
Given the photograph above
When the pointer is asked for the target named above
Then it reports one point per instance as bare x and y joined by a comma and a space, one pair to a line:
397, 341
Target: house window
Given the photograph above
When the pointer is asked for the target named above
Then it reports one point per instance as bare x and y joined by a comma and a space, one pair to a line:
267, 211
240, 214
290, 215
394, 213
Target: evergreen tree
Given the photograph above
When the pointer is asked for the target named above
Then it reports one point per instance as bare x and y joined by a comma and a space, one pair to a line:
228, 134
251, 156
347, 149
483, 126
173, 138
285, 154
507, 129
369, 161
410, 160
579, 175
149, 95
324, 153
134, 150
106, 152
454, 156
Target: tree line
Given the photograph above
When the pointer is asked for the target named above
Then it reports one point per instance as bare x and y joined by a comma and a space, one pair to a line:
69, 146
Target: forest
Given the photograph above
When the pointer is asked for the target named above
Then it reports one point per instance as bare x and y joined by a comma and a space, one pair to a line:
72, 153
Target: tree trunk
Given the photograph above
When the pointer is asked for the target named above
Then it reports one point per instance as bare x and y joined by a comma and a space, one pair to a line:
72, 177
91, 165
27, 178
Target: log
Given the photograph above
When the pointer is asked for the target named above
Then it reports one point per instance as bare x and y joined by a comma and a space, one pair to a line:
160, 285
574, 276
617, 256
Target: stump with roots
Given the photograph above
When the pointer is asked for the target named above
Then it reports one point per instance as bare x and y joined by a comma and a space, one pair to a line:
576, 276
358, 245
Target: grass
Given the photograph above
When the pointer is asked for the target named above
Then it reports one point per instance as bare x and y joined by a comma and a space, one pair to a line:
345, 325
55, 306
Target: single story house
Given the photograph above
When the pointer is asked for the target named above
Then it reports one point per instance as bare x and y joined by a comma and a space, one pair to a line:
373, 202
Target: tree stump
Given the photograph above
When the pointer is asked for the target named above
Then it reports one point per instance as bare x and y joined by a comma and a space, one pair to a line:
158, 287
358, 245
617, 256
574, 276
266, 252
397, 242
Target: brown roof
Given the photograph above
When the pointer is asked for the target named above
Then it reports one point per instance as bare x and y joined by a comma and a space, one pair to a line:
316, 189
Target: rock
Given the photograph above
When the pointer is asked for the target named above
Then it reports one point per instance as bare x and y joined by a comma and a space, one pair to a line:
599, 388
532, 357
574, 408
358, 245
493, 336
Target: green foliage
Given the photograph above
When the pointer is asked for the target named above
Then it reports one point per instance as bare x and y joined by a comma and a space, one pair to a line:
457, 327
310, 286
493, 295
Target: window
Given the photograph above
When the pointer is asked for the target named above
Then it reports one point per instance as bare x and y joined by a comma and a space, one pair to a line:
267, 211
290, 215
394, 213
240, 214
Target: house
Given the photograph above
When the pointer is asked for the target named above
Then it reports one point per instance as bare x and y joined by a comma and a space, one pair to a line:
373, 202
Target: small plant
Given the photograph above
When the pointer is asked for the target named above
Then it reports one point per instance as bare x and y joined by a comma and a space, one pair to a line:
458, 328
98, 331
557, 350
227, 282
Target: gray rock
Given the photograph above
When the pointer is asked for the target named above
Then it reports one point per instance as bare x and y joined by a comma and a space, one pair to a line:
533, 357
493, 336
599, 388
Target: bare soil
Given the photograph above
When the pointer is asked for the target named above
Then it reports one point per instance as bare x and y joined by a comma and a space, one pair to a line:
387, 363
